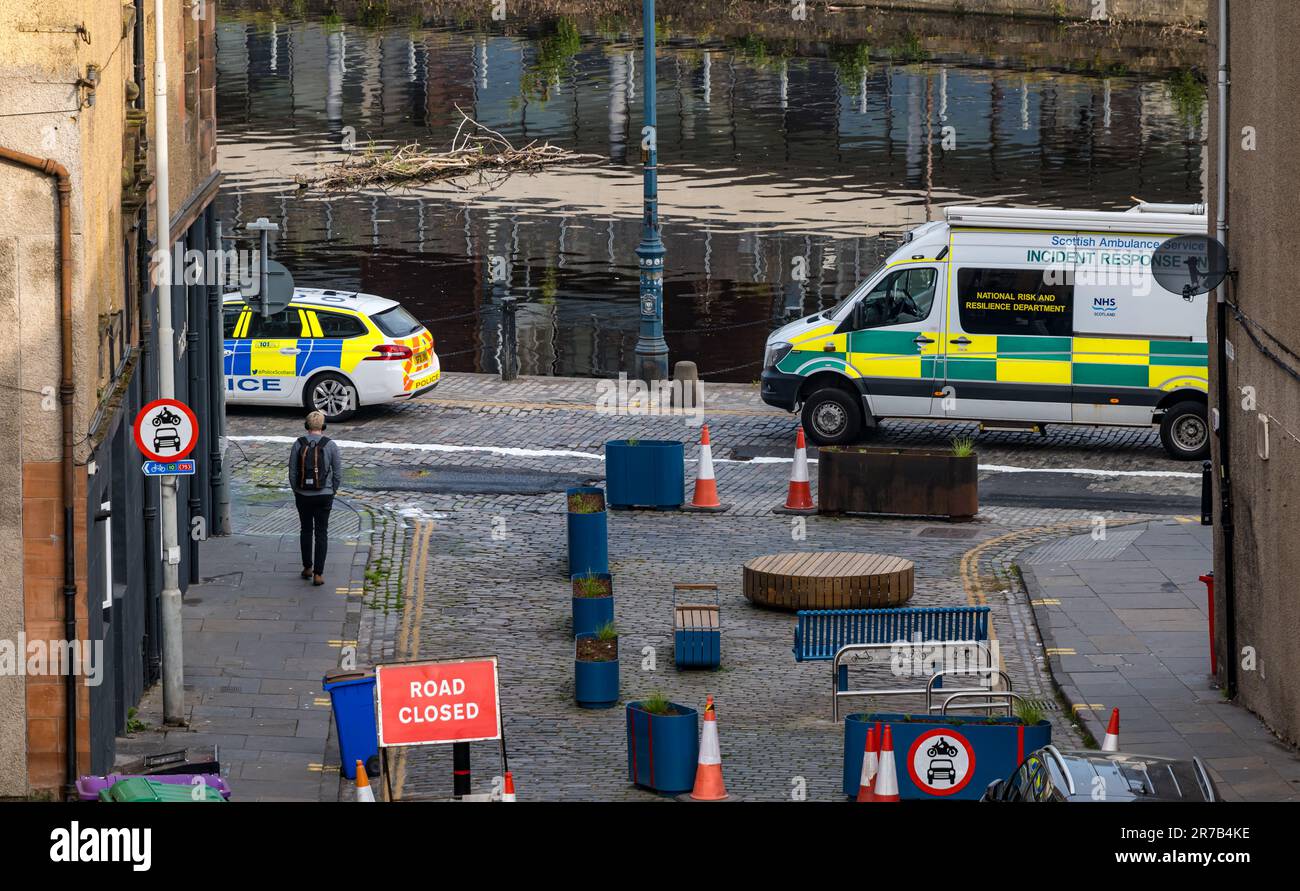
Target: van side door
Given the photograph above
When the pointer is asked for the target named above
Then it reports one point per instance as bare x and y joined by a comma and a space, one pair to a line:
893, 334
1008, 344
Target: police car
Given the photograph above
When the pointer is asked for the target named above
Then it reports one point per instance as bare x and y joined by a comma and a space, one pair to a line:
333, 351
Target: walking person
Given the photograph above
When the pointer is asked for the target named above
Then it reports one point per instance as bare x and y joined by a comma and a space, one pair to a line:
315, 469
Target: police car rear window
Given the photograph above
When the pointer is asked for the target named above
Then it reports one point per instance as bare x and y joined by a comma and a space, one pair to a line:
333, 324
396, 322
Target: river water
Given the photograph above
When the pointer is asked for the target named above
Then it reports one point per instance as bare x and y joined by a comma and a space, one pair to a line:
784, 179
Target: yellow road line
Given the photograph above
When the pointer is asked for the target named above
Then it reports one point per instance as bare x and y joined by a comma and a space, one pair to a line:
1061, 651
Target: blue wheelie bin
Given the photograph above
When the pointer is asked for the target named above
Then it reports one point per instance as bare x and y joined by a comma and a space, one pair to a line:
352, 694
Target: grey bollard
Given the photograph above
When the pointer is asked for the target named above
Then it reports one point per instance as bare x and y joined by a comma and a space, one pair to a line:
686, 389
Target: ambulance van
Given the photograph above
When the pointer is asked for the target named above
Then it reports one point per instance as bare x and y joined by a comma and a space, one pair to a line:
1013, 318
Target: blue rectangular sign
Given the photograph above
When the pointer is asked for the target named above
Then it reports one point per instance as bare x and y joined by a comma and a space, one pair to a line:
184, 467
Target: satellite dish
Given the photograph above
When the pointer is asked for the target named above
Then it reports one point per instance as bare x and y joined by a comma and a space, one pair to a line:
279, 290
1190, 265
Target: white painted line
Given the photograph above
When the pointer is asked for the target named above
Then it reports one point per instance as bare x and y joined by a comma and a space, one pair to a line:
592, 456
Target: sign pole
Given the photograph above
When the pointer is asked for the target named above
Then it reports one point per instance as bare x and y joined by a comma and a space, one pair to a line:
460, 775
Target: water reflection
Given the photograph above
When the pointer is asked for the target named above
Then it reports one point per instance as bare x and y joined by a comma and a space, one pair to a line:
785, 176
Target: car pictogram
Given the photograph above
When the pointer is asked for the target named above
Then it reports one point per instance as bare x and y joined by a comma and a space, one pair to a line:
941, 767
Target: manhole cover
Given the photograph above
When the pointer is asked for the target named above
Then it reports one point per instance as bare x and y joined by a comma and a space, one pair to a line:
457, 480
948, 532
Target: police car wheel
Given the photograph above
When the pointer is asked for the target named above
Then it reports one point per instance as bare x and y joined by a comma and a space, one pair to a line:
332, 394
1185, 432
831, 417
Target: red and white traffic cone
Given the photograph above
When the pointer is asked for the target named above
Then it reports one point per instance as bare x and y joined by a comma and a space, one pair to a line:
508, 792
799, 499
706, 484
364, 792
886, 788
1111, 742
866, 787
708, 771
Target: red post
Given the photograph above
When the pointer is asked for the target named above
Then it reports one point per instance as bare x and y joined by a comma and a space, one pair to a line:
1209, 593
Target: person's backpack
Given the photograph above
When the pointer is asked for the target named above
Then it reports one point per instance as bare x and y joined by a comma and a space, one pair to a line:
313, 464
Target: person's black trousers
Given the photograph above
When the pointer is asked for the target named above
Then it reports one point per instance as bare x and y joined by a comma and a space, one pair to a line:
314, 520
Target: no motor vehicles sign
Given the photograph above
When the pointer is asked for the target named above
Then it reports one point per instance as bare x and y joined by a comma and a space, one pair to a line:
444, 701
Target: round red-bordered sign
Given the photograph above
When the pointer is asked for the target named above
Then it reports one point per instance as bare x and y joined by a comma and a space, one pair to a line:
949, 769
166, 430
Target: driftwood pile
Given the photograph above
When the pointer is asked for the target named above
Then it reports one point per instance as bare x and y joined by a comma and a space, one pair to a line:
475, 150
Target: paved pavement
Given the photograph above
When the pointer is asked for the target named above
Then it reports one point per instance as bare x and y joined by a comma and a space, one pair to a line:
463, 495
258, 640
1125, 621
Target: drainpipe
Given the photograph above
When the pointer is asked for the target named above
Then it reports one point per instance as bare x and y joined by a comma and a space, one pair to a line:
52, 168
1221, 321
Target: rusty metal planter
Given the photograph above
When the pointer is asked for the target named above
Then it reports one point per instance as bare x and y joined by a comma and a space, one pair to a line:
907, 482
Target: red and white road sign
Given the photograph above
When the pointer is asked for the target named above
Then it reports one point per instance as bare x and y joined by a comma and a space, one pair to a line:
442, 701
941, 762
166, 430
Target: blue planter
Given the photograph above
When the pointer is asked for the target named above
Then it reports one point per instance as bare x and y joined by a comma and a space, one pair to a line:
663, 750
969, 752
590, 614
595, 684
352, 696
588, 537
651, 473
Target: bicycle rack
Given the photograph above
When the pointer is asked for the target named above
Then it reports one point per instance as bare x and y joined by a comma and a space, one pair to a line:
987, 693
982, 654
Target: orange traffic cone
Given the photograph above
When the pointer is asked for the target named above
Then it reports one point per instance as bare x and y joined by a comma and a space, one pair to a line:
886, 788
799, 500
708, 772
1111, 742
364, 792
706, 484
508, 793
866, 790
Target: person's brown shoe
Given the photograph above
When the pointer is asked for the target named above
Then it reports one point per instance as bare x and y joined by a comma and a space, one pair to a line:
306, 573
318, 580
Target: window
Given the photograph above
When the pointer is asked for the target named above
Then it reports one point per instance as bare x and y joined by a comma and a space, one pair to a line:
1014, 301
230, 319
901, 297
333, 324
396, 322
284, 324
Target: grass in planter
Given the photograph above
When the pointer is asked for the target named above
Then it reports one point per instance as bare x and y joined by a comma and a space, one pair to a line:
963, 446
657, 703
592, 586
1028, 712
586, 503
601, 648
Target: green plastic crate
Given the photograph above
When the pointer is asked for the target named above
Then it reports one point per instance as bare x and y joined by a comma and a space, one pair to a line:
145, 789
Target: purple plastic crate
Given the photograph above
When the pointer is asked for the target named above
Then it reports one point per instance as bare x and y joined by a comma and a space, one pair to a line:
88, 787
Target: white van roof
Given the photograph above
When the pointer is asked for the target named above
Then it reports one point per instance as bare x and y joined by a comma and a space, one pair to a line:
1181, 219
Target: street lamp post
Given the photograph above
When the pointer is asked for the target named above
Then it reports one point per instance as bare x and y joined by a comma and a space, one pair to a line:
651, 349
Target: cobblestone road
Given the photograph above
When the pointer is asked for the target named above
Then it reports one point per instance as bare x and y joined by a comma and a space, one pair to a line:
472, 480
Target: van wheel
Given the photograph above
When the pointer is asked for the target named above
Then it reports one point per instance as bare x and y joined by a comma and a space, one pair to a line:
831, 417
1185, 432
332, 394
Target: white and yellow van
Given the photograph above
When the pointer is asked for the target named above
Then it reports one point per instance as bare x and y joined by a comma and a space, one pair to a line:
333, 351
1013, 318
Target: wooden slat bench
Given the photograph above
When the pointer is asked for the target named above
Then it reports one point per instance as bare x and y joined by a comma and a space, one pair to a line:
829, 580
697, 629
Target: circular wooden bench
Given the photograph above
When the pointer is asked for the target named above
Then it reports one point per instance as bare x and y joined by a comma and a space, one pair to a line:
829, 580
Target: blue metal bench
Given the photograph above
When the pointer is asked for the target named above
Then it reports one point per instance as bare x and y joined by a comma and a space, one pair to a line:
819, 633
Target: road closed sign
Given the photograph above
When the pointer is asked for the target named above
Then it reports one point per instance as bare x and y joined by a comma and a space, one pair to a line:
941, 762
443, 701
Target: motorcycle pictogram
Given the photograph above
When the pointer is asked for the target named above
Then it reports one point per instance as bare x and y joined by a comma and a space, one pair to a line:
166, 416
942, 747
